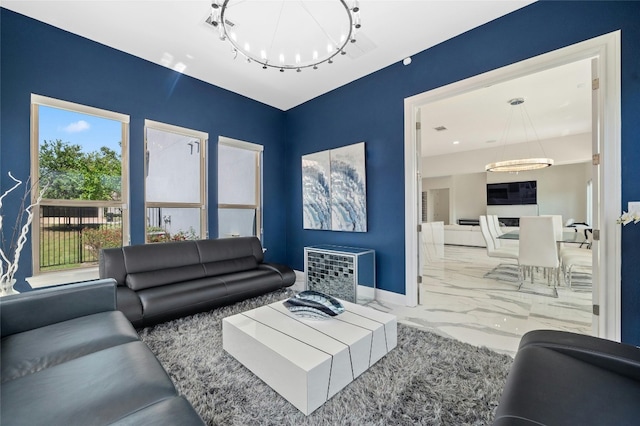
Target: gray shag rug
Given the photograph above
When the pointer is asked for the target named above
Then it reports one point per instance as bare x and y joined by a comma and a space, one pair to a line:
426, 380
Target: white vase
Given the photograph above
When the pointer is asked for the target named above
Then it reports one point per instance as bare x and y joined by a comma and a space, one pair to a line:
6, 287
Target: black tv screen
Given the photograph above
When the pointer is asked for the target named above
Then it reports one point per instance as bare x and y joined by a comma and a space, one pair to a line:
512, 193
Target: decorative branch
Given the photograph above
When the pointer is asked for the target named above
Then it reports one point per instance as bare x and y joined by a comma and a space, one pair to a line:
8, 268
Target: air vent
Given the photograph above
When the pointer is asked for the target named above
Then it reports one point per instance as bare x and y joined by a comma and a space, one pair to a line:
363, 45
440, 129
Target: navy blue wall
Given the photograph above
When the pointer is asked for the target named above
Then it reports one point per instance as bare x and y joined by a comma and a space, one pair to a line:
38, 58
371, 110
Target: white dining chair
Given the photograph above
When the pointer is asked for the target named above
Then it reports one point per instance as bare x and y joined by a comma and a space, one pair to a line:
538, 249
557, 224
496, 232
494, 229
492, 250
577, 258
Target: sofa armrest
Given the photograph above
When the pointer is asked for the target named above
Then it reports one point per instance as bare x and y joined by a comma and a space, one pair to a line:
287, 274
606, 354
42, 307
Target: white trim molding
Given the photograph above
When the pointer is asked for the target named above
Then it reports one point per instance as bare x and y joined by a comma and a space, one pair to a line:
607, 49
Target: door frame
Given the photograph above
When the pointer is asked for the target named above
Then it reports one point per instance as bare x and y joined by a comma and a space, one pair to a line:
607, 49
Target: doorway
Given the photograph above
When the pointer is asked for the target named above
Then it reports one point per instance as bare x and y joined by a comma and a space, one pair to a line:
436, 203
606, 277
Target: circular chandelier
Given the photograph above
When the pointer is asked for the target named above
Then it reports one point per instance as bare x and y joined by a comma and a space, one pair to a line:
286, 34
521, 164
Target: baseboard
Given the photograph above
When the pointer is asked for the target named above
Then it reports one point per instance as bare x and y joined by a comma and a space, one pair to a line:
391, 297
381, 295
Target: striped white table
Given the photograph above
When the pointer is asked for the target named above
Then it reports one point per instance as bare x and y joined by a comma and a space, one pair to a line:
308, 361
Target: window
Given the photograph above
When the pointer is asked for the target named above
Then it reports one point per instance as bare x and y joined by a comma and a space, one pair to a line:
239, 188
175, 189
79, 152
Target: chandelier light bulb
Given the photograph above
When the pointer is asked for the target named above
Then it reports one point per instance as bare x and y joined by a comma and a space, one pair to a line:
315, 55
282, 58
247, 47
263, 54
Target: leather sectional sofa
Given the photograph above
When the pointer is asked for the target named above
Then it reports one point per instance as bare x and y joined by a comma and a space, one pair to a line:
159, 282
562, 378
69, 358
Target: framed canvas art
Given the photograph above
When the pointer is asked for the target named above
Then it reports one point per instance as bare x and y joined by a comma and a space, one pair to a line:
334, 189
316, 191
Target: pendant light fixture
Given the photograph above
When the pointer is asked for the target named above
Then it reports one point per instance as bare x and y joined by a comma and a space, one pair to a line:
520, 164
286, 34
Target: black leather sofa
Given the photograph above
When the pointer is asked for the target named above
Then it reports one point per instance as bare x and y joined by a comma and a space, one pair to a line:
562, 378
69, 358
159, 282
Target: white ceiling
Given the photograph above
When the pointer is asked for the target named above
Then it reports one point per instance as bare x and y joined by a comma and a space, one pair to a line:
557, 105
174, 34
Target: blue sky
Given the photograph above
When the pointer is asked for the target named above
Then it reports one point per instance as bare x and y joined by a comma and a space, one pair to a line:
89, 131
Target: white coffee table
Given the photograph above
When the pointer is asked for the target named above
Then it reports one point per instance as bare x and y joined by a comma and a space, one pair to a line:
308, 361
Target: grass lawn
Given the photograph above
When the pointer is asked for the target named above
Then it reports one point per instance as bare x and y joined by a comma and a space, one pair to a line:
62, 249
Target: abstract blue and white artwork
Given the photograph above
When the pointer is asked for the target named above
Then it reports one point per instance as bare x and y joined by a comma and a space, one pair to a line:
348, 189
334, 189
316, 191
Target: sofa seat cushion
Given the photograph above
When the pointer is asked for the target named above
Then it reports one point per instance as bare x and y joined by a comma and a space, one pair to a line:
95, 389
181, 298
258, 281
170, 412
160, 275
34, 350
547, 387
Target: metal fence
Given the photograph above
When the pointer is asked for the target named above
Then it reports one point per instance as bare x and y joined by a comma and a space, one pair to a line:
71, 237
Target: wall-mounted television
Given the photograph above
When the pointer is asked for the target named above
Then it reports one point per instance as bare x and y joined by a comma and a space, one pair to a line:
512, 193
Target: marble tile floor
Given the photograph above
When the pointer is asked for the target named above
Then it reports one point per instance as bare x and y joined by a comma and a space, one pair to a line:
473, 298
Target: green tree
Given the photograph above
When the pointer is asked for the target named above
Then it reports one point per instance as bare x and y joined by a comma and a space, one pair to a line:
77, 175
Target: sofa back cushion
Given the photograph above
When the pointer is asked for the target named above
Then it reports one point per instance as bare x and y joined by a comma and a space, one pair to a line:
153, 265
230, 248
111, 265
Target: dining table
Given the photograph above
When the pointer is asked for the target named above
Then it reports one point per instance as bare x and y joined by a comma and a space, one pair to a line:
567, 236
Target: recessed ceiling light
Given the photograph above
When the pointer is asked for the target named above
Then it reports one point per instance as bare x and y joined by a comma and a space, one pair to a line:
439, 128
456, 142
